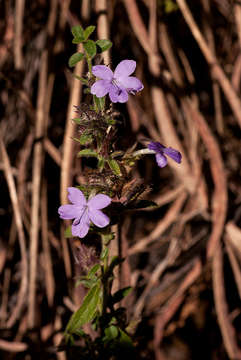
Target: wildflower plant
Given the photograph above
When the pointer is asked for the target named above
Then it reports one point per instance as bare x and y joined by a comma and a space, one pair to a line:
109, 191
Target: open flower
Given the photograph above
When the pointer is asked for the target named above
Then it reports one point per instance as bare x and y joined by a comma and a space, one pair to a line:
83, 212
161, 152
117, 84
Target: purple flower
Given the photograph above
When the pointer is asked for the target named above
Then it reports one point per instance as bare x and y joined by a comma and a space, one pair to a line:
161, 152
83, 212
117, 84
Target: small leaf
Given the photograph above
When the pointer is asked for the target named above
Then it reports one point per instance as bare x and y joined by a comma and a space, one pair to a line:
120, 294
84, 139
84, 81
111, 333
78, 33
77, 120
89, 31
113, 164
75, 58
68, 232
87, 153
87, 311
90, 48
104, 44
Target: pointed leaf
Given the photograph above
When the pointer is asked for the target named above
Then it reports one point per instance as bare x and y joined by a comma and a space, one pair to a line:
120, 294
90, 48
78, 33
87, 153
89, 31
113, 164
104, 44
87, 311
75, 58
93, 270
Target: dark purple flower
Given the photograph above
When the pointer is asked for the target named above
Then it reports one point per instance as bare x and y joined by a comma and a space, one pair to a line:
83, 212
161, 152
117, 84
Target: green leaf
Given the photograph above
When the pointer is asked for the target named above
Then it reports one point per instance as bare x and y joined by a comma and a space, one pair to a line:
120, 294
77, 120
87, 153
87, 311
75, 58
68, 232
78, 33
84, 81
115, 261
89, 31
104, 44
84, 139
113, 164
90, 48
111, 333
93, 270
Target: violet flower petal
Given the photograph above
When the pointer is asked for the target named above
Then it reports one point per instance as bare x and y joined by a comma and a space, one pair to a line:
67, 212
118, 94
156, 146
98, 218
131, 83
99, 201
174, 154
161, 160
124, 68
81, 227
102, 72
76, 196
100, 88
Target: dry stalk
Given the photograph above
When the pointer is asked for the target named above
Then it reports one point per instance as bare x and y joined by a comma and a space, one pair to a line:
21, 237
36, 186
18, 38
216, 69
228, 332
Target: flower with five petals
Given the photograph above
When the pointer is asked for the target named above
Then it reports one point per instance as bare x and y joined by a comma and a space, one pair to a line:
118, 83
83, 212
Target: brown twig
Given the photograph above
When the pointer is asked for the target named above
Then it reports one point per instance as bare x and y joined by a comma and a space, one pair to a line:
165, 222
19, 224
228, 332
18, 38
36, 185
217, 71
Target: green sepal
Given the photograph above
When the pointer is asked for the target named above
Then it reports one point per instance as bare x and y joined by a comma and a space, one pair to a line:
104, 254
99, 103
68, 232
90, 48
75, 58
87, 153
87, 311
88, 31
103, 44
